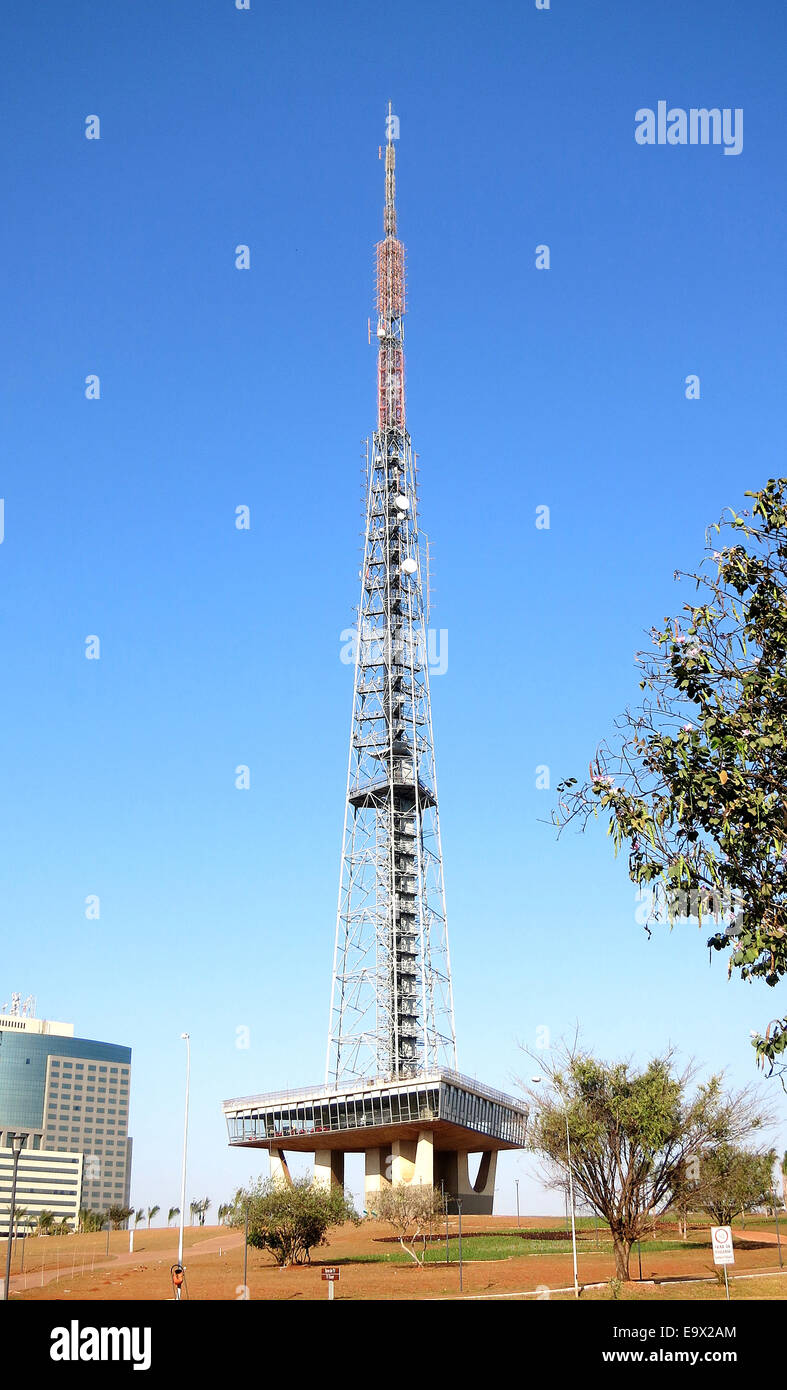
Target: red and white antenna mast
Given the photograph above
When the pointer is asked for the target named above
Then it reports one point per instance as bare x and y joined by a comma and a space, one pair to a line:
391, 1000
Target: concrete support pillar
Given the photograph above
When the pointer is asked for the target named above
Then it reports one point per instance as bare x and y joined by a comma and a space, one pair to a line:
378, 1172
477, 1197
403, 1154
329, 1167
279, 1170
484, 1185
424, 1159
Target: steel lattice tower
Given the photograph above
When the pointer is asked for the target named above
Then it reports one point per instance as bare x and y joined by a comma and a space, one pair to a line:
392, 1091
391, 1002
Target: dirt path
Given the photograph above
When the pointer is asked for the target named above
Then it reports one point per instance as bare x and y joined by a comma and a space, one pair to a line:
211, 1245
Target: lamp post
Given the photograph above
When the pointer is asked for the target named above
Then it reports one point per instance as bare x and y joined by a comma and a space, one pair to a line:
187, 1040
246, 1253
516, 1185
17, 1141
537, 1082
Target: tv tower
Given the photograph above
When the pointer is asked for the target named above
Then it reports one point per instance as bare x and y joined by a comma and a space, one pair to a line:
391, 1004
392, 1089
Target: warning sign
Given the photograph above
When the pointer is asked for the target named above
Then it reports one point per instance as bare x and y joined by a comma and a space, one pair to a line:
721, 1240
330, 1272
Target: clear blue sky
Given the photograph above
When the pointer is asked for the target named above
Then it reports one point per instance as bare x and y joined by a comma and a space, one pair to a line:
221, 387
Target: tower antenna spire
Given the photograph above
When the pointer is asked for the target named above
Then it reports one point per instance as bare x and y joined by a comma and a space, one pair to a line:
392, 1007
389, 219
392, 1090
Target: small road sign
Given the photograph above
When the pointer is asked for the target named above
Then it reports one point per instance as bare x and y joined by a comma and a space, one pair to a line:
721, 1240
330, 1274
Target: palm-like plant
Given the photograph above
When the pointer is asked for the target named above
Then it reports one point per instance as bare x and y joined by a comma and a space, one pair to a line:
172, 1213
152, 1211
783, 1166
45, 1223
203, 1207
118, 1214
193, 1210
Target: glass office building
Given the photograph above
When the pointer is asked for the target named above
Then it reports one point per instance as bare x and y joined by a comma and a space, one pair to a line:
68, 1095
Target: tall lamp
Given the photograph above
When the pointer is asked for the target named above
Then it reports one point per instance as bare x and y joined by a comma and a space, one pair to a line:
17, 1140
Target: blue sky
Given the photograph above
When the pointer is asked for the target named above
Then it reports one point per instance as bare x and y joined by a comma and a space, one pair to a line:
222, 387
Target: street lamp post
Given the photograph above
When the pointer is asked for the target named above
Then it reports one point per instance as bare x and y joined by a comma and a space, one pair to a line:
187, 1040
571, 1190
16, 1145
516, 1185
537, 1082
246, 1253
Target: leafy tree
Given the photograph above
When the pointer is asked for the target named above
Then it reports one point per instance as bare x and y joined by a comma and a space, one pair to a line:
117, 1214
694, 781
632, 1133
139, 1215
45, 1223
409, 1208
734, 1179
91, 1220
172, 1213
152, 1211
290, 1220
20, 1219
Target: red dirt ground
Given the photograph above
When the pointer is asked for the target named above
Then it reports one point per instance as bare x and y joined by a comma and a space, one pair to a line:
214, 1267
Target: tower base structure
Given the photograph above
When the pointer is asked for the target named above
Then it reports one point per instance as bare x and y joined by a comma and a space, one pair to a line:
417, 1129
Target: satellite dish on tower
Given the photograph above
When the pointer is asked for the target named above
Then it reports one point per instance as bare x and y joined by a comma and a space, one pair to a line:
402, 503
409, 566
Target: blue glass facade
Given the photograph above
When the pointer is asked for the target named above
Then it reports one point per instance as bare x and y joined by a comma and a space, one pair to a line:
23, 1061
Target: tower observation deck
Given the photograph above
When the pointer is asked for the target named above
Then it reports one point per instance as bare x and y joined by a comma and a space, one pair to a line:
392, 1088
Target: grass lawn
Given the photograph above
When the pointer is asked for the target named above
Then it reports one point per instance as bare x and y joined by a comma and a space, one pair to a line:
504, 1246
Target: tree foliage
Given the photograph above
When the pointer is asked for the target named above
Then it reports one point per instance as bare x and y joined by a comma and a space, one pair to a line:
290, 1219
116, 1215
408, 1208
631, 1133
734, 1179
694, 780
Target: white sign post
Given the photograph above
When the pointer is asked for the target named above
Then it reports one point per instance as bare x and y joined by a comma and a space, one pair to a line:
723, 1253
331, 1275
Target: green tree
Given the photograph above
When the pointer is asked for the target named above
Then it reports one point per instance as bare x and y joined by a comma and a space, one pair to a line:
783, 1167
45, 1223
117, 1214
409, 1208
21, 1220
172, 1213
139, 1216
694, 781
734, 1179
152, 1211
633, 1132
90, 1220
290, 1220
